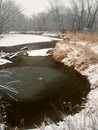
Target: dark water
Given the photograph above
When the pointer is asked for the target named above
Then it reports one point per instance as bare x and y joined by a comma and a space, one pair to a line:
43, 87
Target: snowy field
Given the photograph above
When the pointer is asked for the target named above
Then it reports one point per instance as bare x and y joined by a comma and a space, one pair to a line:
19, 39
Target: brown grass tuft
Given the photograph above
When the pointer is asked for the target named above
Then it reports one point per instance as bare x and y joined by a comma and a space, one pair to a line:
77, 54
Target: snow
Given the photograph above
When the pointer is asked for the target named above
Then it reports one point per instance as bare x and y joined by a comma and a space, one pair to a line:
4, 61
95, 48
2, 126
92, 73
51, 34
40, 52
18, 39
81, 43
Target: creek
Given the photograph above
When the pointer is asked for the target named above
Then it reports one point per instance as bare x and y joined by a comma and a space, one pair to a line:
41, 88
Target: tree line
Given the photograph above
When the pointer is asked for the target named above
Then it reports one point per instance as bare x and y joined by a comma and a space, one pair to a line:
80, 15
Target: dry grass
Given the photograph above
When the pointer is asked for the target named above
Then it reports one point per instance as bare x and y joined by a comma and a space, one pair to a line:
79, 55
84, 37
77, 51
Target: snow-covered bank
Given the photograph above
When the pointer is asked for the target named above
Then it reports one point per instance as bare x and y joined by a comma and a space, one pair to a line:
83, 56
19, 39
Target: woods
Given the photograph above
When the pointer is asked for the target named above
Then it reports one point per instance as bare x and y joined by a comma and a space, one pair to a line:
8, 11
84, 14
79, 15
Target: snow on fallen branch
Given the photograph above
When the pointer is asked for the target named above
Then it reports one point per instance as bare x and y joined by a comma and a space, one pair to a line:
9, 56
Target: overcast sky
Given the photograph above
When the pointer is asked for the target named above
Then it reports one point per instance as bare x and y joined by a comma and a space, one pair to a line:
34, 6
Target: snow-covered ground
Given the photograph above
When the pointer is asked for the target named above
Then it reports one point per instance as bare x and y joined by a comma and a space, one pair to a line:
18, 39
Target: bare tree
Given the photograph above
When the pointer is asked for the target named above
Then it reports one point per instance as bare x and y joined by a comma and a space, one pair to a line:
0, 16
8, 11
58, 10
92, 16
84, 14
81, 15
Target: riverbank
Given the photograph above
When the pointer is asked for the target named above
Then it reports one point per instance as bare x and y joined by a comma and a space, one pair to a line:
80, 51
